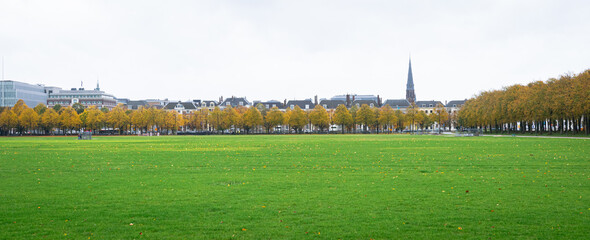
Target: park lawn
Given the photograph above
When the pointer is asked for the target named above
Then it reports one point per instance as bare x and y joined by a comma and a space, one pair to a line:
294, 187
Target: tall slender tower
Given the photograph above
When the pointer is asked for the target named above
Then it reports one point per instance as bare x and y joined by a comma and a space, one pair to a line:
410, 95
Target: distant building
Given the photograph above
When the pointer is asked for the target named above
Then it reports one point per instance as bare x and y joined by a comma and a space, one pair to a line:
181, 107
234, 102
209, 104
398, 104
359, 103
349, 99
355, 96
157, 103
134, 105
331, 104
454, 105
428, 106
11, 91
124, 101
270, 104
306, 104
87, 98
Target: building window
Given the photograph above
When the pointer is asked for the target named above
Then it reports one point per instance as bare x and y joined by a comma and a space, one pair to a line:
241, 103
430, 105
274, 105
372, 105
306, 106
227, 103
292, 106
267, 106
325, 106
423, 105
454, 105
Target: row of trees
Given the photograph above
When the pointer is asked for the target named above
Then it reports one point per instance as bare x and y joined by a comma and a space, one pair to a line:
21, 119
556, 105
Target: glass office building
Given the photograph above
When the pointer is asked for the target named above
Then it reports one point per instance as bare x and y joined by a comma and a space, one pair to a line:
12, 91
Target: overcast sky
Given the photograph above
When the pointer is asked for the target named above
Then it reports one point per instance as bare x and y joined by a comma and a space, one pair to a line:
292, 49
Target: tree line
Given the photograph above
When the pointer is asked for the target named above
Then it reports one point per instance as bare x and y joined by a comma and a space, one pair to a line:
558, 105
40, 120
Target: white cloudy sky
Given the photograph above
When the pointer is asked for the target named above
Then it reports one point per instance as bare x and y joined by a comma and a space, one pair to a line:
292, 49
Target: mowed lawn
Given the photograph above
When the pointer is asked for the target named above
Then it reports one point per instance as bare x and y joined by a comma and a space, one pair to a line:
294, 187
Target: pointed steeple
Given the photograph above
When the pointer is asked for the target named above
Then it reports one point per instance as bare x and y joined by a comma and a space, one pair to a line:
97, 86
410, 94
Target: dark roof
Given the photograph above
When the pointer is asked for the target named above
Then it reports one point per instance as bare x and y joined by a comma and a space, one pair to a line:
332, 104
459, 103
300, 103
235, 101
134, 105
186, 105
355, 96
428, 103
368, 102
270, 104
207, 103
397, 103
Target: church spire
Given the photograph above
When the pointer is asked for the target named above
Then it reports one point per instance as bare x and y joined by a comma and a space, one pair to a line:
97, 86
410, 95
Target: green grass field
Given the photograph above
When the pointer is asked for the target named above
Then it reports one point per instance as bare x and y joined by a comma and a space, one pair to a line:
294, 187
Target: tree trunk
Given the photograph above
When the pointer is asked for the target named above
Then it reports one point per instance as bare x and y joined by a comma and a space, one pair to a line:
587, 124
560, 126
587, 128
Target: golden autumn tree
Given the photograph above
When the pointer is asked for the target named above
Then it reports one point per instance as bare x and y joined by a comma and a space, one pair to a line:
216, 119
556, 105
252, 119
365, 116
412, 115
286, 118
387, 117
69, 119
343, 118
138, 119
93, 118
297, 119
118, 118
274, 118
375, 123
319, 118
40, 108
28, 119
49, 120
19, 106
440, 115
231, 118
174, 121
401, 120
8, 121
203, 119
353, 112
156, 119
192, 120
